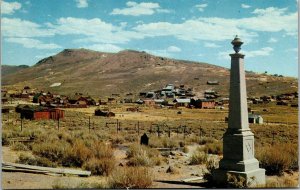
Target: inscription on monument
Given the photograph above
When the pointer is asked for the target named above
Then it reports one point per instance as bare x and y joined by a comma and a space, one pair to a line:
249, 148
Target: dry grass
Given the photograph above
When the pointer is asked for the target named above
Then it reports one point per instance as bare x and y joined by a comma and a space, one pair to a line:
140, 155
54, 151
131, 177
214, 148
198, 157
18, 146
278, 158
37, 161
77, 154
281, 182
102, 166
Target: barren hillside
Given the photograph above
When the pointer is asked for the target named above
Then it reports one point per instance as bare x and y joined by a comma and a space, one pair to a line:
101, 74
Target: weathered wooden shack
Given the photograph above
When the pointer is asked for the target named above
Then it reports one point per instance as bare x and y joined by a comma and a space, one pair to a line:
40, 113
98, 112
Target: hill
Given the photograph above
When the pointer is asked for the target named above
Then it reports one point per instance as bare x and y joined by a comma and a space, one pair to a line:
9, 69
101, 74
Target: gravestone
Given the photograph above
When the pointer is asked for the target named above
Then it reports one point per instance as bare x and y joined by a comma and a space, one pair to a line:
238, 140
144, 139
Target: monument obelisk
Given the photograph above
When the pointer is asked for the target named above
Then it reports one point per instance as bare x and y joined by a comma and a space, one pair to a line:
238, 140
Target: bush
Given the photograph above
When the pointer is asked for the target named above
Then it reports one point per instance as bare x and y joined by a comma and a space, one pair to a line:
185, 149
198, 158
101, 150
77, 155
19, 146
117, 139
205, 140
278, 158
5, 136
237, 181
54, 151
131, 177
214, 148
103, 166
280, 182
140, 155
35, 161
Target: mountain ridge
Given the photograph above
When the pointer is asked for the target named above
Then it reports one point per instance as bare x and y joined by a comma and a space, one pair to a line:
101, 74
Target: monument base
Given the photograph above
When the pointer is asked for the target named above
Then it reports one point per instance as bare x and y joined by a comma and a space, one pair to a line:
253, 177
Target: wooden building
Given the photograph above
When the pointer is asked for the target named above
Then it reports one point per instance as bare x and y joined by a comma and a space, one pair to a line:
40, 113
203, 103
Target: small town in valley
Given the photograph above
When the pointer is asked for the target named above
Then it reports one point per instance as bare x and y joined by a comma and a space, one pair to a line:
115, 114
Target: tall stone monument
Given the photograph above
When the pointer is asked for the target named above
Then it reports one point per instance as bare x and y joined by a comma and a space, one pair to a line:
238, 140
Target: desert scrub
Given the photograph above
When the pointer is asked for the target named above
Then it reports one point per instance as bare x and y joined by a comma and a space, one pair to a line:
278, 158
205, 140
77, 154
54, 151
198, 157
140, 155
162, 142
234, 181
131, 177
280, 182
18, 146
36, 161
102, 150
117, 139
103, 166
214, 148
5, 137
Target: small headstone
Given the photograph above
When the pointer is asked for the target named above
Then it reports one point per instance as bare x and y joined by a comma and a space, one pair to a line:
144, 139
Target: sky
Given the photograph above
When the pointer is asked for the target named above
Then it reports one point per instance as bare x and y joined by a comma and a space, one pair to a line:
195, 30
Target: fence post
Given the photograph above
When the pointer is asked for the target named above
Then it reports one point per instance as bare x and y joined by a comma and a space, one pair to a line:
58, 123
89, 124
169, 132
158, 131
21, 123
117, 126
138, 125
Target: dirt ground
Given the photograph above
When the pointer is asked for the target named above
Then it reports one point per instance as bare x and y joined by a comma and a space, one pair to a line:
162, 179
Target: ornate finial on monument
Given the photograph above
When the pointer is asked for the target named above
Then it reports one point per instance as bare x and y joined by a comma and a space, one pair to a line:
237, 43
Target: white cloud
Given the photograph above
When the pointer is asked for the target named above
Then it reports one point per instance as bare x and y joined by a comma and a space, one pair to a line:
193, 30
32, 43
82, 3
15, 27
211, 45
272, 40
9, 8
104, 48
161, 52
137, 9
201, 7
163, 11
93, 30
173, 49
292, 50
271, 19
245, 6
44, 55
219, 29
265, 51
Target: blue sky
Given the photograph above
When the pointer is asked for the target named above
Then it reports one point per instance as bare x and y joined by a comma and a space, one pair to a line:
197, 30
